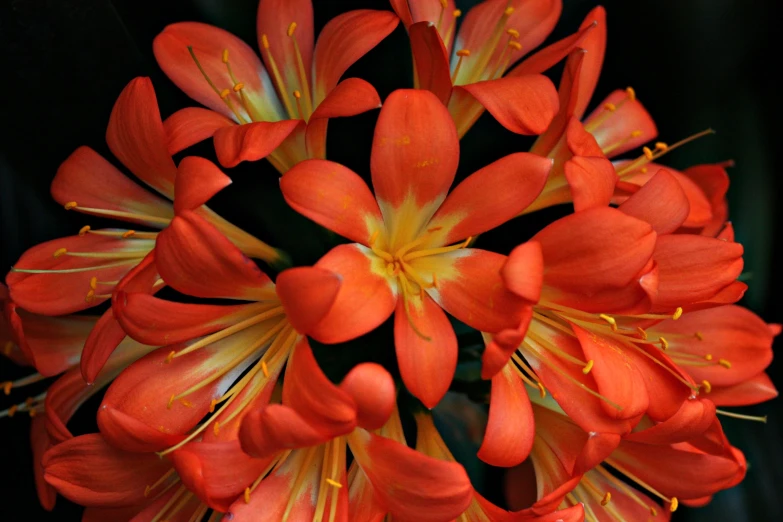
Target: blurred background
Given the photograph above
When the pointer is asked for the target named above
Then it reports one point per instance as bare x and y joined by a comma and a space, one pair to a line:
695, 64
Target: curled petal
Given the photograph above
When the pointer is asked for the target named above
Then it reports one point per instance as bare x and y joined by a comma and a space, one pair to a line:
307, 294
691, 420
373, 391
251, 141
198, 179
192, 125
661, 202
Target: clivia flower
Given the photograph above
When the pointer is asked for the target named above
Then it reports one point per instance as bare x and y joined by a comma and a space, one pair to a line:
281, 111
71, 274
411, 255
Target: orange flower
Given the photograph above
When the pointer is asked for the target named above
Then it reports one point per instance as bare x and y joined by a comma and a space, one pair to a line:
254, 114
411, 256
465, 70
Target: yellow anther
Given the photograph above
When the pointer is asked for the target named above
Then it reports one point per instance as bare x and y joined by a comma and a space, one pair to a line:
93, 283
664, 343
636, 133
264, 369
647, 153
147, 490
609, 319
631, 93
186, 403
90, 296
264, 41
224, 93
698, 336
7, 385
515, 45
216, 428
457, 13
723, 362
12, 410
677, 313
171, 402
291, 29
541, 390
509, 11
642, 332
70, 205
674, 504
170, 356
84, 230
463, 52
333, 483
643, 170
708, 356
297, 94
238, 87
611, 107
225, 55
707, 386
513, 33
661, 145
59, 252
606, 499
247, 495
374, 237
212, 406
128, 233
653, 512
588, 367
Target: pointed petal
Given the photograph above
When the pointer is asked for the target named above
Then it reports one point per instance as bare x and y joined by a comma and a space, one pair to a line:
626, 128
251, 141
471, 289
430, 60
333, 196
366, 297
694, 268
198, 179
350, 97
755, 390
194, 258
208, 42
410, 485
626, 503
90, 472
426, 349
342, 41
92, 182
712, 182
40, 444
510, 430
590, 175
691, 420
522, 104
100, 344
476, 205
499, 350
307, 294
661, 202
523, 271
136, 137
415, 150
595, 45
192, 125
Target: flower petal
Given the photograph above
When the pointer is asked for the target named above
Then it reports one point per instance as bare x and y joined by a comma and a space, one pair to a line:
691, 420
471, 289
350, 97
90, 472
342, 41
476, 205
192, 125
366, 297
713, 182
590, 175
755, 390
372, 389
522, 104
171, 48
251, 141
426, 348
307, 294
510, 429
623, 129
595, 45
40, 444
277, 428
136, 137
430, 60
523, 271
194, 258
550, 55
333, 196
661, 202
415, 151
102, 341
410, 485
93, 183
198, 179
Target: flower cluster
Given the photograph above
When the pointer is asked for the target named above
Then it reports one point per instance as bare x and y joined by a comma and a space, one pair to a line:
607, 340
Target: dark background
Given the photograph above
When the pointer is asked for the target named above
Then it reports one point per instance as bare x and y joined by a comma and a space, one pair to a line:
694, 63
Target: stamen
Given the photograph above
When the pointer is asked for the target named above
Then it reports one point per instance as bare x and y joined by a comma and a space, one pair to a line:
588, 367
725, 363
304, 84
707, 386
462, 53
171, 402
216, 428
84, 230
677, 313
117, 213
649, 156
212, 405
606, 499
374, 237
647, 153
264, 369
298, 97
170, 356
610, 107
631, 93
277, 77
70, 205
128, 233
7, 385
59, 252
642, 333
447, 38
609, 319
333, 483
513, 33
214, 87
247, 496
708, 356
742, 417
674, 504
664, 343
698, 336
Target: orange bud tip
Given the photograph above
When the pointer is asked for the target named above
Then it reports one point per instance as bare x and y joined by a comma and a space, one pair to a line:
515, 45
291, 29
171, 402
238, 87
463, 52
588, 367
723, 362
707, 386
216, 428
264, 41
457, 13
225, 56
224, 93
631, 93
513, 33
664, 343
674, 504
636, 133
7, 385
70, 205
677, 313
606, 499
128, 233
247, 495
84, 230
170, 356
509, 11
647, 153
708, 356
264, 369
333, 483
610, 107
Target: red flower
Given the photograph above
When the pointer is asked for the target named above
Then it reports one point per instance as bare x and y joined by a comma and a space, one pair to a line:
254, 114
411, 258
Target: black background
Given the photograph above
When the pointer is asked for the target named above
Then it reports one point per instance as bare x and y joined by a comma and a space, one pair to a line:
694, 64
